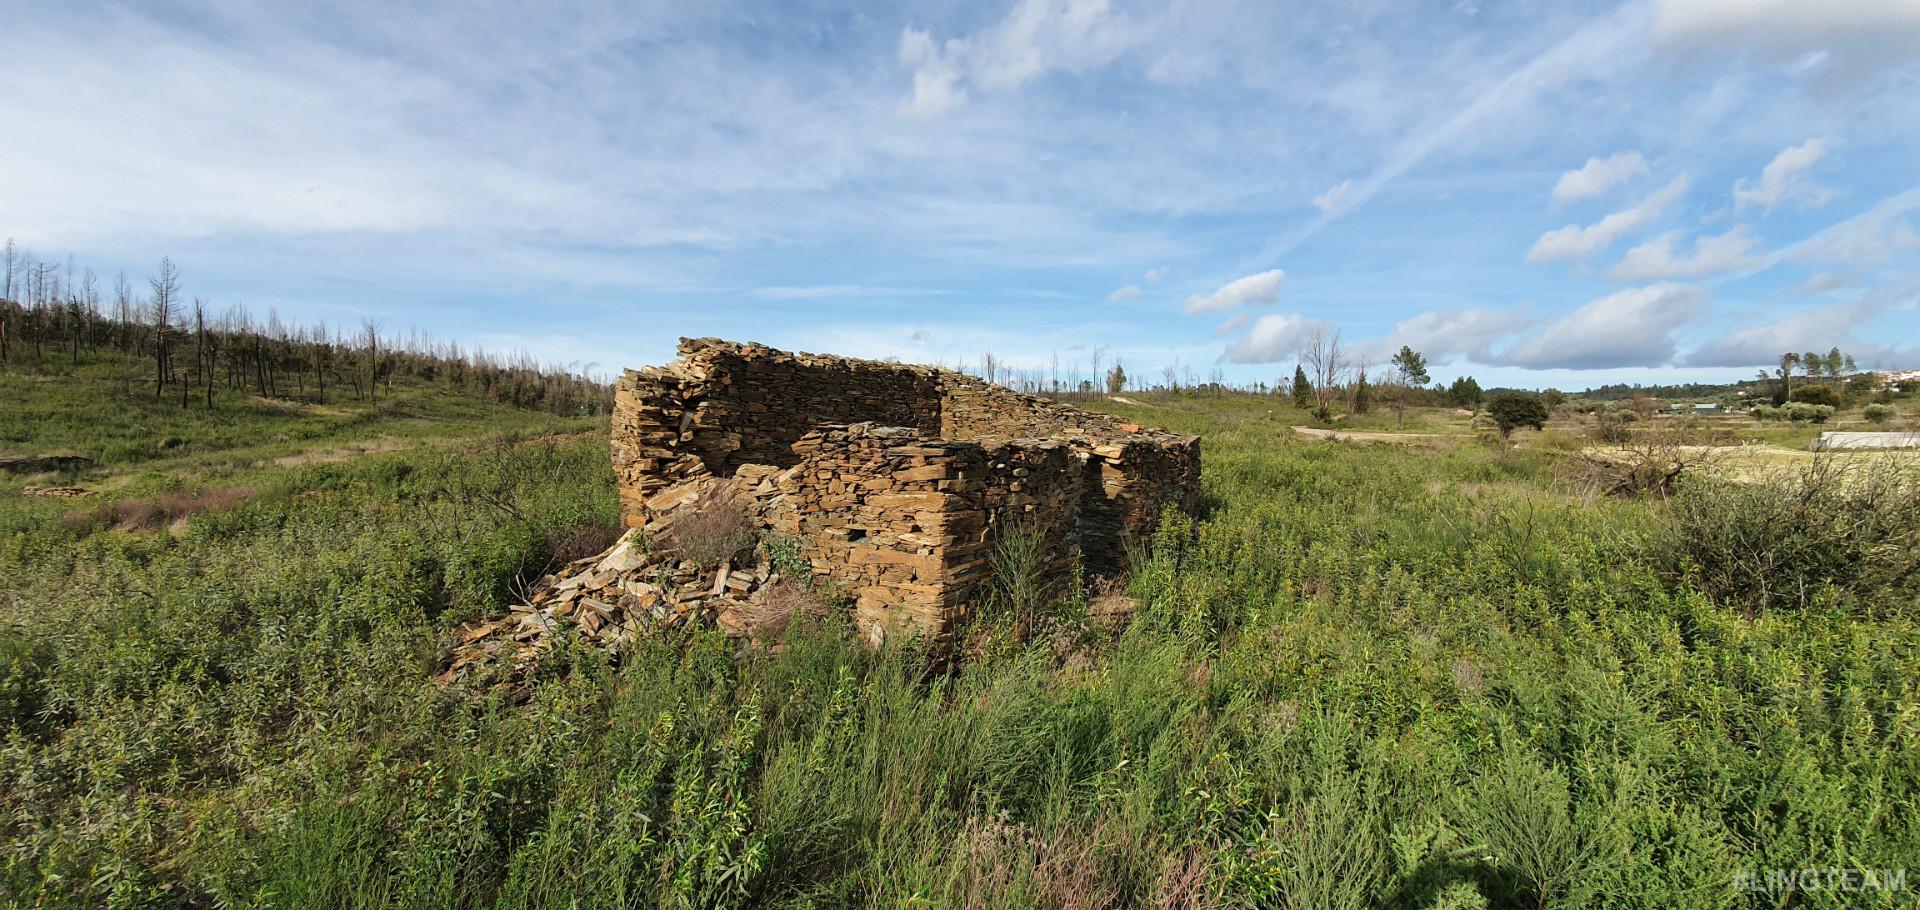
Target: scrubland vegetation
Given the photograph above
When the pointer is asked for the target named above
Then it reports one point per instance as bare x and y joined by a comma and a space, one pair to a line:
1442, 675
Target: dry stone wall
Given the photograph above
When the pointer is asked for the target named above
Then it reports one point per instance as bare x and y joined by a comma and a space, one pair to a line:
905, 472
893, 483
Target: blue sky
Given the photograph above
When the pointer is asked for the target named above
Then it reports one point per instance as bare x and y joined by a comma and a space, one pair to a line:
1538, 193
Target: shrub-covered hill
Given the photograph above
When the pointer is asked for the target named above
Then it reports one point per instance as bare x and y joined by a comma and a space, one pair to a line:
1368, 676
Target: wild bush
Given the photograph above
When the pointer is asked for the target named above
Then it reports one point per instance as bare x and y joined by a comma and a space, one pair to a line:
1820, 395
1025, 578
1527, 826
1798, 412
1847, 526
1879, 413
1511, 411
1610, 423
1802, 412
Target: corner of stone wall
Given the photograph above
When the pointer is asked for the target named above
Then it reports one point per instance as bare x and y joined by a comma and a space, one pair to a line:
649, 420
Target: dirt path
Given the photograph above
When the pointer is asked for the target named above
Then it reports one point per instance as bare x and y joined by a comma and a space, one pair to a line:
380, 445
1400, 438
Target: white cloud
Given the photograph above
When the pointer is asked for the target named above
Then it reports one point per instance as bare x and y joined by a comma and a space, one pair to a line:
936, 77
1761, 345
1795, 20
1628, 328
1335, 199
1234, 323
1822, 282
1253, 290
1599, 175
1445, 335
1655, 260
1866, 244
1036, 37
1275, 337
1154, 275
1126, 293
1576, 242
1842, 40
1784, 179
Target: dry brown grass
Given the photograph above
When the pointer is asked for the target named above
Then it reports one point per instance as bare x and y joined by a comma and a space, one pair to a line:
167, 510
1184, 882
1064, 870
713, 529
568, 545
774, 609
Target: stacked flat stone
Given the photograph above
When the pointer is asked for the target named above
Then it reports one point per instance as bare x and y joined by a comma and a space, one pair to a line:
893, 481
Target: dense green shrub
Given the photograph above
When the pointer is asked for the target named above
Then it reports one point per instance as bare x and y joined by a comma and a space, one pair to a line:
1798, 412
1511, 411
1818, 394
1840, 529
1880, 413
1802, 412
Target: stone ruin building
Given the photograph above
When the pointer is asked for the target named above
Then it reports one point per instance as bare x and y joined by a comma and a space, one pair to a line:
891, 482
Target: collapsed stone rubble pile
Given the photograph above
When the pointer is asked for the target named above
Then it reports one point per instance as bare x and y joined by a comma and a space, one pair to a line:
884, 484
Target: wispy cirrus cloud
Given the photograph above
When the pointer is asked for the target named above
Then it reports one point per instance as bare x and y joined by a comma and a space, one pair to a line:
1335, 198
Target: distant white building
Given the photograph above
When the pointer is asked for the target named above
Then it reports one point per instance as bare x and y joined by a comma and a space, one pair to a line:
1889, 378
1693, 409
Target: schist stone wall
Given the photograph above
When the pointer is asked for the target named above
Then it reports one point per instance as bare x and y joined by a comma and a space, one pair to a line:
893, 479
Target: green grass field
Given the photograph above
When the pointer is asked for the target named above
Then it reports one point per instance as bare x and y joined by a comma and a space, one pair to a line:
1431, 676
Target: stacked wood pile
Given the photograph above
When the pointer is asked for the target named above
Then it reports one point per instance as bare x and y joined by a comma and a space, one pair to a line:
890, 482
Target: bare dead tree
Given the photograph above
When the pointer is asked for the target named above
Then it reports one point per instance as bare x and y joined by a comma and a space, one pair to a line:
203, 355
1326, 359
166, 293
370, 336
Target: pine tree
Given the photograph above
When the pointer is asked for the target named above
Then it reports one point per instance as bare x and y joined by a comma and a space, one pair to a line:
1465, 393
1410, 372
1362, 394
1302, 389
